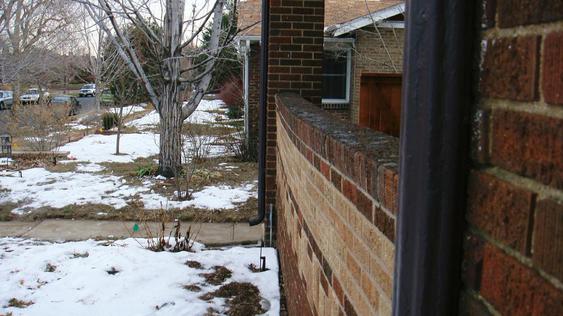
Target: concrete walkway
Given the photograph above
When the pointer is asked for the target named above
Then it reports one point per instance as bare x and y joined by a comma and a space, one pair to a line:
71, 230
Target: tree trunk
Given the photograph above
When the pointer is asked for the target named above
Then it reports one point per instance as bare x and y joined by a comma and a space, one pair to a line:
171, 118
171, 121
119, 122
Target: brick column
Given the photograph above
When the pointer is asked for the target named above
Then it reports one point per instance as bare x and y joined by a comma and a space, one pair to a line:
295, 64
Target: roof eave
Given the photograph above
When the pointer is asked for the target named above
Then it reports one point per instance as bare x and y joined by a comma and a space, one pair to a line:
377, 17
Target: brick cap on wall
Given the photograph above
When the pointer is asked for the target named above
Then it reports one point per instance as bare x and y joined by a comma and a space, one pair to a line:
369, 158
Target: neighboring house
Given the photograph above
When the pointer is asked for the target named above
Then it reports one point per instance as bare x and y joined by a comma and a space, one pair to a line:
362, 62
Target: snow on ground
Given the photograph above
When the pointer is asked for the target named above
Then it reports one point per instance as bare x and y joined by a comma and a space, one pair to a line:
101, 148
200, 116
40, 188
82, 285
130, 109
147, 121
77, 126
98, 148
211, 197
211, 105
89, 167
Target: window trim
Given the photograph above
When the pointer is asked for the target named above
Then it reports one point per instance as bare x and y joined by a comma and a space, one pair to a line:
348, 79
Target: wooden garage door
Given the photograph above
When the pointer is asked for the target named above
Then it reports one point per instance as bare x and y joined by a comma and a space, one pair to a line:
380, 102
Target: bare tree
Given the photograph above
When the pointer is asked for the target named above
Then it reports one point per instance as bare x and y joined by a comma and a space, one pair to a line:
125, 93
175, 50
41, 127
103, 64
28, 27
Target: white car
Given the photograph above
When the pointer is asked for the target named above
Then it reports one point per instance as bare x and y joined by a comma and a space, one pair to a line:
87, 90
33, 95
6, 100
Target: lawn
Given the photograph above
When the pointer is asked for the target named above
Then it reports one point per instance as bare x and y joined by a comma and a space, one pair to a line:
92, 182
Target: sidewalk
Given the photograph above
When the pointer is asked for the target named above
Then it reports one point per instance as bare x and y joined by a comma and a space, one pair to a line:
72, 230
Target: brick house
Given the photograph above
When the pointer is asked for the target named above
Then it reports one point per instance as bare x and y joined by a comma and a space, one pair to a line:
363, 52
461, 215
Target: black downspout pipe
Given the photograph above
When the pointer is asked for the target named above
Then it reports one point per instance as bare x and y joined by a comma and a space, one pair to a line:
437, 95
262, 112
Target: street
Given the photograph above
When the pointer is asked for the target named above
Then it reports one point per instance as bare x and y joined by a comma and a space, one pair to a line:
86, 105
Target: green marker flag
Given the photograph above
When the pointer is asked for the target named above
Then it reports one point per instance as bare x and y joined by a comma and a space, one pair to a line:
136, 227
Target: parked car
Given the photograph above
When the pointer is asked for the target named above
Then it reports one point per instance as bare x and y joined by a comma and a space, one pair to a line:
67, 100
6, 100
87, 90
106, 98
34, 95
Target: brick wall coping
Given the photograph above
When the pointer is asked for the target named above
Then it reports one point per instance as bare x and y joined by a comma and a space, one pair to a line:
368, 158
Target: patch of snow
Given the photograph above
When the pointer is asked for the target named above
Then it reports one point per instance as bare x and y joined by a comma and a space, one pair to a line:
39, 187
227, 167
210, 105
211, 197
91, 167
134, 108
200, 116
101, 148
150, 120
78, 126
82, 286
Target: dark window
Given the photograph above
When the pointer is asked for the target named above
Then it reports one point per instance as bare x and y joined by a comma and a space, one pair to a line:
335, 71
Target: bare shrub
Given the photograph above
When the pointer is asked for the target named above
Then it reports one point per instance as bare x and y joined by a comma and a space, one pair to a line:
50, 267
231, 93
244, 148
41, 127
196, 146
163, 240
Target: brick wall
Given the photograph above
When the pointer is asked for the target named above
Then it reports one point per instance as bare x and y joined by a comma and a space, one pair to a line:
336, 207
514, 241
369, 56
295, 64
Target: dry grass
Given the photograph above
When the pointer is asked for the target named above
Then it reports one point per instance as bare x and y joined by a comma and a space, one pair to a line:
209, 173
218, 276
194, 264
6, 212
216, 129
242, 213
192, 287
14, 302
243, 298
62, 167
255, 269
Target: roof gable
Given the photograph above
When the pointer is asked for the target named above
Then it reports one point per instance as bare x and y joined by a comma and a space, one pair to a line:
337, 12
371, 18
